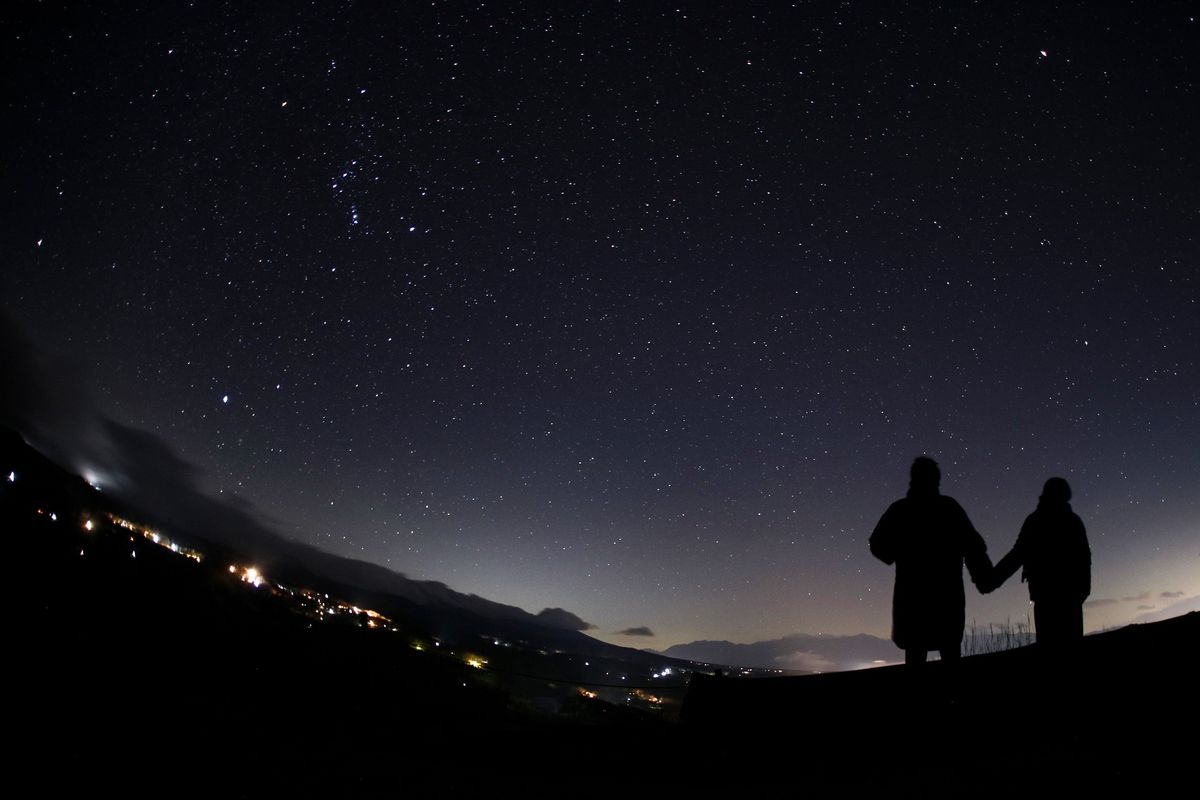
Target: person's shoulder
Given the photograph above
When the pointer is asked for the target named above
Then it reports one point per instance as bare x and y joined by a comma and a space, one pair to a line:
1032, 520
895, 513
948, 503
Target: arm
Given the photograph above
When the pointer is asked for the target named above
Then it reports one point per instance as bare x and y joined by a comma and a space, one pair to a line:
883, 538
979, 564
1013, 560
1006, 567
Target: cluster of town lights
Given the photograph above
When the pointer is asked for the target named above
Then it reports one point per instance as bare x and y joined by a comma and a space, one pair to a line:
324, 605
249, 575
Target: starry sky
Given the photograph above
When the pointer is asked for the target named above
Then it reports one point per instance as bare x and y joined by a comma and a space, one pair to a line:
641, 310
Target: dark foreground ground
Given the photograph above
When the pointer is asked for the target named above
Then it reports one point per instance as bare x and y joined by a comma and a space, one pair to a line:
144, 675
1118, 713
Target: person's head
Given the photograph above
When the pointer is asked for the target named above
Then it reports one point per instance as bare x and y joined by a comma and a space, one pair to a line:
924, 474
1056, 490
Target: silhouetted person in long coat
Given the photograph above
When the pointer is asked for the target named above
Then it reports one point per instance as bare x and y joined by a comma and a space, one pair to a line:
928, 537
1053, 548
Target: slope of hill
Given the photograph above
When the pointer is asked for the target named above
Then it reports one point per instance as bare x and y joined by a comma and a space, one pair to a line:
138, 669
429, 605
1113, 711
143, 666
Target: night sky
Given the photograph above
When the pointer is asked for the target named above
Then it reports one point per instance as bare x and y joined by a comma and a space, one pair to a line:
640, 310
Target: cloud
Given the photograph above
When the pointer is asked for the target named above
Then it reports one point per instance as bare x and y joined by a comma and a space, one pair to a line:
1145, 608
26, 392
45, 397
51, 405
150, 474
798, 652
1139, 597
1172, 595
1100, 601
561, 618
639, 631
1178, 608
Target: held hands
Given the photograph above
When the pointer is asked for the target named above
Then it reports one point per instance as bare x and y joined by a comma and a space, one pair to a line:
988, 582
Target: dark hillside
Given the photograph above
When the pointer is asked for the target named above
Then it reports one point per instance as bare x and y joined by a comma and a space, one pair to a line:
137, 668
1116, 711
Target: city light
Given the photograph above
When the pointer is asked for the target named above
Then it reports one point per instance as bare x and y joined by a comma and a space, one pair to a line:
157, 538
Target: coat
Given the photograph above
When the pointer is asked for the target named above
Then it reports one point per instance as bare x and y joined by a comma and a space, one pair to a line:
929, 537
1053, 548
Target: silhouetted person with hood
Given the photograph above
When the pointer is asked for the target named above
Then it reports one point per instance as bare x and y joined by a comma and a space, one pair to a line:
928, 537
1053, 548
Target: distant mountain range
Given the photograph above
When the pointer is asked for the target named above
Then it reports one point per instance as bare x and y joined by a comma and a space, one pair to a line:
234, 534
816, 653
798, 653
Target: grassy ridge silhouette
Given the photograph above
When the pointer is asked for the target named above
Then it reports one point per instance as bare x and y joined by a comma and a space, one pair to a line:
997, 636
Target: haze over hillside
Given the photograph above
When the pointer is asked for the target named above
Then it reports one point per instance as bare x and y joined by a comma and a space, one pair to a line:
799, 652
